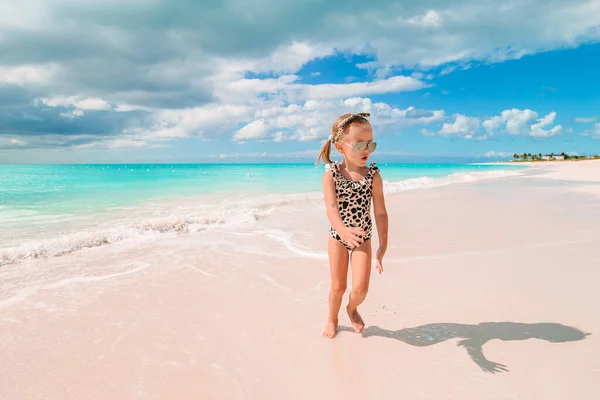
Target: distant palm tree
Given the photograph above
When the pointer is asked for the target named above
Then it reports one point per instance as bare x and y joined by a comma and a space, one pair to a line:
516, 156
524, 156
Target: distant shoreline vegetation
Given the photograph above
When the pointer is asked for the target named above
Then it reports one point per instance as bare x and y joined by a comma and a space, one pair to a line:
552, 157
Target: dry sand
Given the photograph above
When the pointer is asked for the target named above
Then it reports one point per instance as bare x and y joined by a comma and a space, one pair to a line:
488, 292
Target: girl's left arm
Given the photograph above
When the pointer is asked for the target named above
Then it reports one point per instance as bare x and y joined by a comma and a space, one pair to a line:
381, 218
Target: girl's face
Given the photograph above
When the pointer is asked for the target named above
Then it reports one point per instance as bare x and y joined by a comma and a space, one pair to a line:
357, 144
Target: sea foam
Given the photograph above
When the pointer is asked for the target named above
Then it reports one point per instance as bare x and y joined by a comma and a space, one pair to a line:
189, 216
457, 177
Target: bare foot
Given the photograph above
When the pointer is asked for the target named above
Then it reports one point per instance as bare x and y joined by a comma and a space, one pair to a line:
356, 319
330, 329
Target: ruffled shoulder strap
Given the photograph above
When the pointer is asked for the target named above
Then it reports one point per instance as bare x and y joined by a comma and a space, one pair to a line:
373, 168
334, 168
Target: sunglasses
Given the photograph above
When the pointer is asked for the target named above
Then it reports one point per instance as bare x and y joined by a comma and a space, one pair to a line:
358, 147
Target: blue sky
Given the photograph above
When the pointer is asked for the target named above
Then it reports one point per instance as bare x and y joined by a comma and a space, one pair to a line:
235, 82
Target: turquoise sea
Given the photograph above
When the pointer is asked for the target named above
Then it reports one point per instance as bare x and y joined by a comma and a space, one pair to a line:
40, 204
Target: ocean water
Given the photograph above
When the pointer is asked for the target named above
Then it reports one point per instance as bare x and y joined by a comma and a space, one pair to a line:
51, 210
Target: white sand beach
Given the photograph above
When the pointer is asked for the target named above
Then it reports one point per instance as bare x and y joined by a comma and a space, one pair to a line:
490, 291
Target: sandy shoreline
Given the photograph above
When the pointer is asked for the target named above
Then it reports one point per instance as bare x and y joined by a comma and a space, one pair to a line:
479, 277
585, 170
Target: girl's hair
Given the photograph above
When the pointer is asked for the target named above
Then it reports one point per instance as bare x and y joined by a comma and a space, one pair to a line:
338, 129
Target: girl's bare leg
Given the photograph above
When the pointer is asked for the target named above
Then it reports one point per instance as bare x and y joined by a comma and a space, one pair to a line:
361, 273
338, 267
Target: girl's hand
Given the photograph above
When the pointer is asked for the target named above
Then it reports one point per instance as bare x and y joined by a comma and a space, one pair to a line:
379, 260
352, 236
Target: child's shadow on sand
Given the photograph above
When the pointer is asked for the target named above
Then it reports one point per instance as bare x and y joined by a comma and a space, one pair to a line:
475, 336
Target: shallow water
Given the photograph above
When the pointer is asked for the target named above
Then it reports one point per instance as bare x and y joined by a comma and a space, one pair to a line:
51, 210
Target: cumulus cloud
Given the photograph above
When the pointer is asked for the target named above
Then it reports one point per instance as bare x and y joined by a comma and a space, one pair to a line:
513, 122
463, 126
524, 123
254, 130
287, 87
206, 121
313, 119
22, 75
537, 129
167, 70
431, 30
390, 85
90, 103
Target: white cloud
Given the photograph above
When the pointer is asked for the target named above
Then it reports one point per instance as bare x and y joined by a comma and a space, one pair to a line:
391, 85
585, 120
286, 37
22, 75
206, 121
492, 124
431, 19
517, 121
291, 57
596, 131
286, 87
191, 75
268, 85
463, 126
87, 103
497, 154
538, 131
115, 143
448, 70
254, 130
514, 121
424, 116
279, 137
369, 65
306, 121
131, 107
453, 31
427, 132
523, 123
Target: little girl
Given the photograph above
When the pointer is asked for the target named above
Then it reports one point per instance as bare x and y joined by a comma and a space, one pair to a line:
348, 188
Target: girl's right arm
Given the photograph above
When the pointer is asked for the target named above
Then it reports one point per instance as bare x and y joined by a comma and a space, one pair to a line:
349, 234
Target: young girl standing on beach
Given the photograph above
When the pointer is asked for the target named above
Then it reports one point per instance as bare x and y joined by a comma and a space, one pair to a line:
348, 189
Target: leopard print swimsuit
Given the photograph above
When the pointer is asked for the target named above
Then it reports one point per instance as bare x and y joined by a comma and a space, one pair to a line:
354, 201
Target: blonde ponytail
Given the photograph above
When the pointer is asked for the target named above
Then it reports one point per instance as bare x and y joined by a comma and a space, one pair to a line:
325, 153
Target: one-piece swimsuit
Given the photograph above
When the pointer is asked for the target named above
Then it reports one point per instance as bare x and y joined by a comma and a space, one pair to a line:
354, 201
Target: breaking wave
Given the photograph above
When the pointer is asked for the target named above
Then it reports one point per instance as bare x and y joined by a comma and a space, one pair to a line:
188, 219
